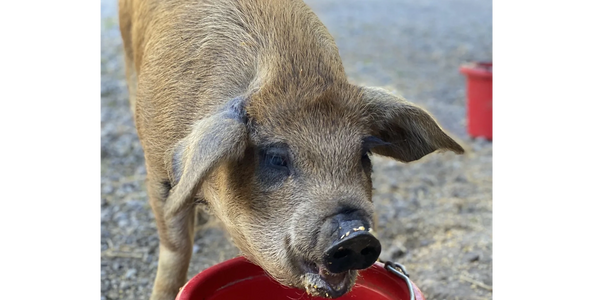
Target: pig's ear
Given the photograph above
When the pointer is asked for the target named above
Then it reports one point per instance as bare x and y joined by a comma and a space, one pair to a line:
212, 141
409, 131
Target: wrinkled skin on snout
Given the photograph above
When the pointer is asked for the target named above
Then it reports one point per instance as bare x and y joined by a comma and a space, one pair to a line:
293, 181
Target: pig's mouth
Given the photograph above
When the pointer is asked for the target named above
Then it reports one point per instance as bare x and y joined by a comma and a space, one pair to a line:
320, 282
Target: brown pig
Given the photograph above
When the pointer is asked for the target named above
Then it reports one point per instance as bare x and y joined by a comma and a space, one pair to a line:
243, 106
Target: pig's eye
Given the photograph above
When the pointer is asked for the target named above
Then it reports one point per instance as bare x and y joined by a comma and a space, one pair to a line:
274, 166
277, 161
275, 158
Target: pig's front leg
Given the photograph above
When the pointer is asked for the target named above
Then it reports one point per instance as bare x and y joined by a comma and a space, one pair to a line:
176, 234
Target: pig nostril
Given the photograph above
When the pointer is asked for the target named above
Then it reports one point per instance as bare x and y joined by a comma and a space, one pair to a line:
342, 253
356, 252
367, 251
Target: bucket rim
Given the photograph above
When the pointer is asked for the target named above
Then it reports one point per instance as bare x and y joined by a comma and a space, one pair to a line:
187, 291
477, 69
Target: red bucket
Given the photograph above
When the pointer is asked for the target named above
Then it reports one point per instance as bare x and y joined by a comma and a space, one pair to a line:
238, 278
479, 99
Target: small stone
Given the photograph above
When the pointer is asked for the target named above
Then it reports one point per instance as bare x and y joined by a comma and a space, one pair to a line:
107, 189
394, 252
130, 273
123, 285
123, 223
472, 257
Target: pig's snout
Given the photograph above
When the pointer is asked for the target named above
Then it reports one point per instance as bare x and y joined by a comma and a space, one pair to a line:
359, 250
354, 248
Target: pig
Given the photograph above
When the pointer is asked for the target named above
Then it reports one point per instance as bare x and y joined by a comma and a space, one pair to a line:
243, 107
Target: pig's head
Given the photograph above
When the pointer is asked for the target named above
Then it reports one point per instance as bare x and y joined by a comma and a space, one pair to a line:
291, 178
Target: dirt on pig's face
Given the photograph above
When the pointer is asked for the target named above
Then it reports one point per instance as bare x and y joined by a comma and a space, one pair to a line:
307, 162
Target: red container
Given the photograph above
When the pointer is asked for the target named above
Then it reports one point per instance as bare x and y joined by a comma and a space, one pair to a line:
479, 99
239, 279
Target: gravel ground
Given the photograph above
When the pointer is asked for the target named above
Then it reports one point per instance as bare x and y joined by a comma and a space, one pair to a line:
435, 215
